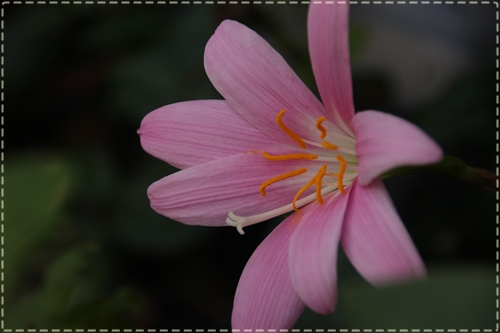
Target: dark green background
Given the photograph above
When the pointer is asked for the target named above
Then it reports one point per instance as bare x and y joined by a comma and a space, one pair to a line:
83, 249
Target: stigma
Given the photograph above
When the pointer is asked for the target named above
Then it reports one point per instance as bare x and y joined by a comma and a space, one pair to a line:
330, 165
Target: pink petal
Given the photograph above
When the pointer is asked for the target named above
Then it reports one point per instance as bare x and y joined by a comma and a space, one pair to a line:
195, 132
265, 298
258, 83
313, 253
375, 239
328, 33
384, 141
205, 193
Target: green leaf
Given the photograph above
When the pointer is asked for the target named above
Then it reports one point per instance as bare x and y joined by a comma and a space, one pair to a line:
450, 298
41, 306
35, 189
73, 294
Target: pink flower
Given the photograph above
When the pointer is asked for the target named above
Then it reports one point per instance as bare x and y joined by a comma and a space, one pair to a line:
271, 147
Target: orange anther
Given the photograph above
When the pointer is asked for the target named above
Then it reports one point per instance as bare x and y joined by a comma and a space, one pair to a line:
319, 177
320, 127
316, 179
288, 131
302, 190
289, 157
329, 146
343, 165
278, 178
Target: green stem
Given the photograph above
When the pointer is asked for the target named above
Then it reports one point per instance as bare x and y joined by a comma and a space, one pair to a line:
450, 166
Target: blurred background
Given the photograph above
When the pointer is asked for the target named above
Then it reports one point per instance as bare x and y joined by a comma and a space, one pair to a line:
83, 249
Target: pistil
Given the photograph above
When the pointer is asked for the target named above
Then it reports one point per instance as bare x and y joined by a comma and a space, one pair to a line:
243, 221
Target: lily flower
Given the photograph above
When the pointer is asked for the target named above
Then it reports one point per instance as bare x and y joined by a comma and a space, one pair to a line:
271, 147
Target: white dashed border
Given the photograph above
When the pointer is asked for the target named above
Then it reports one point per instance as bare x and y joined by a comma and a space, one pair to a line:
243, 2
254, 2
173, 330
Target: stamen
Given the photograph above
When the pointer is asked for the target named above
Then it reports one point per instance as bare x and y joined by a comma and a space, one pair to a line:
329, 146
343, 165
288, 131
289, 157
302, 190
319, 177
320, 127
273, 180
316, 179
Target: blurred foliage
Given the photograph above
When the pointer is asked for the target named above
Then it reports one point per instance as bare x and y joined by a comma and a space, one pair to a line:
450, 297
52, 279
83, 249
36, 188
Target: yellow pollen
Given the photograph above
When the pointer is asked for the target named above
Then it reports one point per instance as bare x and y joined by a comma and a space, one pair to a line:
316, 179
320, 127
319, 177
343, 165
289, 157
288, 131
329, 146
278, 178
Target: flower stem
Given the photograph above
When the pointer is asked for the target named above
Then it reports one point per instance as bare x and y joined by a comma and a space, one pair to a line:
452, 167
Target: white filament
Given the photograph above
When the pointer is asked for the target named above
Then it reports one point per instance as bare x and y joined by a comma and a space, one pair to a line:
243, 221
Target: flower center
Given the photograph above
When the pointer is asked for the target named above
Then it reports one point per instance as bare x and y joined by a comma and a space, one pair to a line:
320, 157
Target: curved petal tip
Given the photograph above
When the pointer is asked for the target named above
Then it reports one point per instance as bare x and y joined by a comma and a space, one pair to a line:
384, 142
